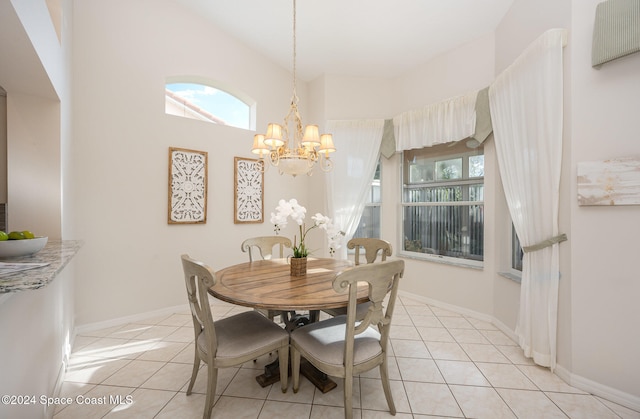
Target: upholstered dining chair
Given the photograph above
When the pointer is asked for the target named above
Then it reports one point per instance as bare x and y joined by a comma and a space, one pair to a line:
342, 346
261, 248
371, 247
229, 341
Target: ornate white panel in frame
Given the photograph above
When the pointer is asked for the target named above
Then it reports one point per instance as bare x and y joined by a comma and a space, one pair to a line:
248, 191
187, 186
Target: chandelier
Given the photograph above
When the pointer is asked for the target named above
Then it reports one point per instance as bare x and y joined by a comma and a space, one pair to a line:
289, 147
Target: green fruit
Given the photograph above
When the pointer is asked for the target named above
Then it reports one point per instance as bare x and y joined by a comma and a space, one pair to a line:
28, 235
3, 236
16, 235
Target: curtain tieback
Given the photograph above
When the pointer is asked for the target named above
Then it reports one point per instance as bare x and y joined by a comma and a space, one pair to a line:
545, 243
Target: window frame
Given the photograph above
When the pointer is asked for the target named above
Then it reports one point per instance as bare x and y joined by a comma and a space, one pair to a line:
221, 87
441, 152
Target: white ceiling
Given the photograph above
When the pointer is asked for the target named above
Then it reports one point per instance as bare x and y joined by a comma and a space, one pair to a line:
367, 38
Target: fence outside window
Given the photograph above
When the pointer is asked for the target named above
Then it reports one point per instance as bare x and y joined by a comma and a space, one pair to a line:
443, 203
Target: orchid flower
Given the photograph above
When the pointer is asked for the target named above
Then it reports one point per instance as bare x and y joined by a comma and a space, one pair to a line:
291, 208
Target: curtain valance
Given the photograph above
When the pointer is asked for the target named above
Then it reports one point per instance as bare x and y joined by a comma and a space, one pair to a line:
447, 121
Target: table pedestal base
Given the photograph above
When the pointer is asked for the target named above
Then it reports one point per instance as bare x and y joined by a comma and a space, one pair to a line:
272, 371
318, 378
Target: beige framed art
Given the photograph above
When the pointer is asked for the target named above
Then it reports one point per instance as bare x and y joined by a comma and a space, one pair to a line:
187, 186
248, 190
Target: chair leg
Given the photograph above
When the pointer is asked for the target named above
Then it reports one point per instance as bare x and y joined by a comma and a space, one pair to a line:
295, 368
212, 379
283, 356
348, 396
386, 386
194, 372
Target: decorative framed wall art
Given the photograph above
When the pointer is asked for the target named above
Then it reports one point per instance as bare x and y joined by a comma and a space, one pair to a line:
609, 182
187, 186
248, 191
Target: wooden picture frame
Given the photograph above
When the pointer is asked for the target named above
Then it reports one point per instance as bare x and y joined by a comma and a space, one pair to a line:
187, 186
248, 191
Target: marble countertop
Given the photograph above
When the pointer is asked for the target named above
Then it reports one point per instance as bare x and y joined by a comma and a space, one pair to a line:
57, 253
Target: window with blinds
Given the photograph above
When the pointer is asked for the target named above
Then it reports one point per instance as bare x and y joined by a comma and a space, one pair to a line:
443, 202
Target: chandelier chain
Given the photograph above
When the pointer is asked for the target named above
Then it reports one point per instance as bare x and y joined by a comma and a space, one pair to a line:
298, 151
295, 94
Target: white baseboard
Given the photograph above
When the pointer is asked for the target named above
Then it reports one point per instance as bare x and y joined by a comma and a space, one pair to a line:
446, 306
597, 389
90, 327
49, 410
625, 399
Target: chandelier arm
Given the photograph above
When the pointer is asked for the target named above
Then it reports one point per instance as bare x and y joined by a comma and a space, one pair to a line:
264, 166
325, 164
274, 156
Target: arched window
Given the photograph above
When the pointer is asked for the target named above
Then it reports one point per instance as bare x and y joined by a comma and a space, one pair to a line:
208, 103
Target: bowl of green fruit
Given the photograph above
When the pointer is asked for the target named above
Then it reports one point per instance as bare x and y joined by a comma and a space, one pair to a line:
20, 243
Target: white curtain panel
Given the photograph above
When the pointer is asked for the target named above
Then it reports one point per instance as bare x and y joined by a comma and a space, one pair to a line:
451, 120
354, 165
526, 112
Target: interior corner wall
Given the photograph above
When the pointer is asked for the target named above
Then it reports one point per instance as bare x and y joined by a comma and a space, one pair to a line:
130, 263
446, 76
3, 146
525, 21
33, 167
454, 73
348, 97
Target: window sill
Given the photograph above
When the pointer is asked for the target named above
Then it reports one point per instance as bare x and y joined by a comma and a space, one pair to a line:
460, 263
514, 277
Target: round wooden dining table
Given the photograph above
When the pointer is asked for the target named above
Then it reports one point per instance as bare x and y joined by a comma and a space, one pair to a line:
268, 284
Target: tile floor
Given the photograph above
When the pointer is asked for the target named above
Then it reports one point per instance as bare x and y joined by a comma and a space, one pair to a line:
443, 364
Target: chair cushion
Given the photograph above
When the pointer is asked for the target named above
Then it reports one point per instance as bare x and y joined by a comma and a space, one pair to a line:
245, 333
325, 341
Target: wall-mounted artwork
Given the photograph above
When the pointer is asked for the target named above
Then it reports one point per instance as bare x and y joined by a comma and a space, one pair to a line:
187, 186
609, 182
248, 191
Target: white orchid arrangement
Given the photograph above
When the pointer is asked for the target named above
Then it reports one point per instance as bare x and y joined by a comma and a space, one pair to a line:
297, 212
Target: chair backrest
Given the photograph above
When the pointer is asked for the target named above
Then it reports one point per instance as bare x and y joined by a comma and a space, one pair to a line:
198, 278
262, 247
382, 278
371, 249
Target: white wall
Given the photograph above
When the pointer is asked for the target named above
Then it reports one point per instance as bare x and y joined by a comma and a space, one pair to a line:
33, 164
467, 68
36, 329
123, 53
36, 326
454, 73
598, 318
605, 285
